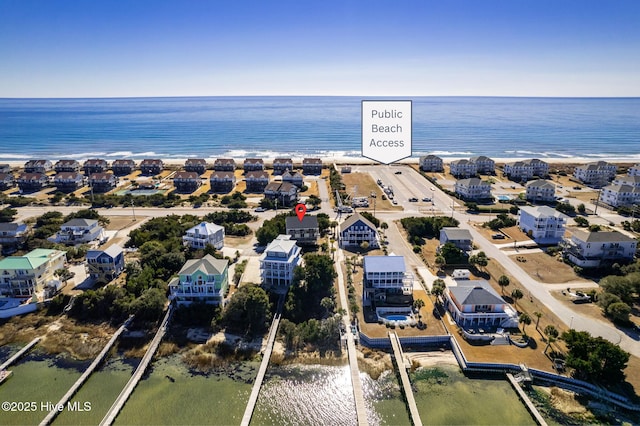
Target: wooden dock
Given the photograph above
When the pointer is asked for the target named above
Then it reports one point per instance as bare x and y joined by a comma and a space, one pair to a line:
406, 384
78, 384
113, 412
20, 353
523, 396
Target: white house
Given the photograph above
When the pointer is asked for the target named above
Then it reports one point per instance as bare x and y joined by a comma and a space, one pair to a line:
596, 174
463, 168
620, 195
635, 170
473, 189
484, 164
278, 261
461, 238
106, 264
475, 303
593, 249
355, 230
22, 276
387, 285
205, 233
79, 231
544, 224
12, 233
631, 180
526, 169
203, 280
431, 163
540, 190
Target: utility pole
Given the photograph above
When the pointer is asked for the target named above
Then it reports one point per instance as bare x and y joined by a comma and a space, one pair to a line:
134, 211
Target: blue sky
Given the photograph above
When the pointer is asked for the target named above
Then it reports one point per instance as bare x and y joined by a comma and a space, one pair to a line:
97, 48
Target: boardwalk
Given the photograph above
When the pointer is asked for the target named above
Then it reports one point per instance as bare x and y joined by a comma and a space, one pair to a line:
523, 396
67, 396
137, 375
406, 384
21, 352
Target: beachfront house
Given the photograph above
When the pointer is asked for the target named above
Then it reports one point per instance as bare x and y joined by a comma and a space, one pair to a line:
22, 276
542, 223
79, 231
473, 189
461, 238
12, 234
203, 280
67, 166
123, 166
224, 165
596, 174
387, 286
283, 193
38, 166
94, 165
463, 168
484, 164
102, 182
540, 191
253, 165
203, 234
32, 182
105, 265
277, 263
526, 169
634, 170
311, 166
256, 181
186, 182
5, 168
431, 163
474, 303
594, 249
305, 231
69, 181
293, 177
356, 230
281, 165
620, 195
196, 165
627, 180
222, 182
151, 166
6, 181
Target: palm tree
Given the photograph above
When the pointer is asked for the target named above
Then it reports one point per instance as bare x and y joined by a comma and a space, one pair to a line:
440, 262
538, 315
526, 320
516, 294
503, 282
552, 334
437, 289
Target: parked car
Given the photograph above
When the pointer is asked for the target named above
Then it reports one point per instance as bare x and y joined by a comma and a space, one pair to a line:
398, 172
394, 202
426, 199
413, 200
497, 237
260, 210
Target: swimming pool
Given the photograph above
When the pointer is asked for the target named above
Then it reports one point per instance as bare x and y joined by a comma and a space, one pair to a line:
503, 197
397, 317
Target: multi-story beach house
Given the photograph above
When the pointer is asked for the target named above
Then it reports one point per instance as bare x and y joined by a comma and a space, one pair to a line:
67, 166
463, 168
277, 263
311, 166
595, 249
305, 231
293, 177
186, 182
627, 180
542, 223
596, 174
224, 165
95, 165
32, 182
79, 231
461, 238
197, 165
123, 166
283, 193
526, 169
105, 265
102, 182
151, 166
281, 165
203, 280
12, 234
431, 163
356, 230
473, 189
38, 166
484, 164
5, 168
256, 181
6, 181
204, 234
222, 182
540, 191
253, 165
618, 195
474, 303
68, 181
387, 286
634, 170
22, 276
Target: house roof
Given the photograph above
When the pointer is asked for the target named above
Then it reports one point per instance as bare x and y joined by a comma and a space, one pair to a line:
282, 160
80, 222
430, 157
67, 175
472, 182
312, 161
461, 161
541, 183
307, 222
542, 211
208, 264
285, 187
206, 228
36, 162
31, 260
186, 175
257, 175
351, 220
457, 233
113, 251
66, 162
601, 236
291, 175
151, 161
282, 243
384, 264
628, 180
101, 176
5, 176
475, 292
92, 161
253, 161
32, 176
123, 162
224, 161
480, 158
196, 161
11, 226
622, 188
221, 175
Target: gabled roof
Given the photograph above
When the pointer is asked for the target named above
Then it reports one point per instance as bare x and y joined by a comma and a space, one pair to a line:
622, 188
475, 292
112, 251
205, 228
307, 222
257, 175
208, 264
282, 160
472, 182
384, 264
282, 243
64, 162
102, 176
199, 161
11, 226
480, 158
151, 162
291, 175
80, 222
628, 180
95, 161
32, 176
309, 161
541, 183
224, 161
353, 219
6, 176
186, 175
222, 175
601, 237
253, 161
123, 162
284, 187
457, 233
430, 157
543, 211
461, 161
67, 175
31, 260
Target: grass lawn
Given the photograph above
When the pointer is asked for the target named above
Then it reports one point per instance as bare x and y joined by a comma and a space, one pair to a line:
548, 269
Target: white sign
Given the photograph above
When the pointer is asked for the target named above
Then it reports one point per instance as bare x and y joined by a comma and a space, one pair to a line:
386, 130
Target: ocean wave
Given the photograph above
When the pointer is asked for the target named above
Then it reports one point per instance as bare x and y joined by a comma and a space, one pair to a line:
15, 156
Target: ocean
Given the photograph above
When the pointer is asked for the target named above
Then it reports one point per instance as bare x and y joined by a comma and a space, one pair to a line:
266, 127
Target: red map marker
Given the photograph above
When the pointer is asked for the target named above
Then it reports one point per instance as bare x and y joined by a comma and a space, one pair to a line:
301, 210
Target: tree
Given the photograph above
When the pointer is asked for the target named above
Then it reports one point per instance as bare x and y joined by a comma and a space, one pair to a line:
452, 254
581, 208
619, 312
440, 262
150, 304
248, 310
418, 304
364, 246
8, 214
620, 286
437, 289
552, 334
384, 226
328, 304
581, 221
538, 315
503, 282
516, 294
524, 319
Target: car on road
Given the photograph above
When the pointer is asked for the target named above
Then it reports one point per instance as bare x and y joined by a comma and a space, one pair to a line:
413, 200
497, 236
432, 188
394, 202
398, 172
426, 199
260, 210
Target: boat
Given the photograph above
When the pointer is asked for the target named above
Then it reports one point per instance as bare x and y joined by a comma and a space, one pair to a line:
4, 375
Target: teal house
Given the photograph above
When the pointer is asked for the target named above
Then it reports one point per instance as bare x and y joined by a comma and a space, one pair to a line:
203, 280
